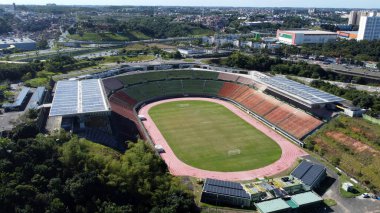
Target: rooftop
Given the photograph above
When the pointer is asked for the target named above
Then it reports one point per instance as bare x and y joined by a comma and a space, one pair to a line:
15, 40
20, 98
308, 172
298, 90
272, 205
225, 188
306, 198
78, 97
310, 32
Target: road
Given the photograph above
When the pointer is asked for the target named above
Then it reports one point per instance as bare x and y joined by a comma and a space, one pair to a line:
343, 85
343, 69
346, 205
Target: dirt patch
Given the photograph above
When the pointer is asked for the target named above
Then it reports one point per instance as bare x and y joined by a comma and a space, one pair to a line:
350, 142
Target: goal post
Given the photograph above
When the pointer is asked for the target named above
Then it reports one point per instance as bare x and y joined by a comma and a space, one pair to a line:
233, 152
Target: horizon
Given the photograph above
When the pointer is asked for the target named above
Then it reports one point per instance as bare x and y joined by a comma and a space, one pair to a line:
337, 4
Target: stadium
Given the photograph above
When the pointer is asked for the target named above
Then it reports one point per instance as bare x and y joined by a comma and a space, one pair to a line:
203, 123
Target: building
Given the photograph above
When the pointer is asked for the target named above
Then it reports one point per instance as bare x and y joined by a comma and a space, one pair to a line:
347, 186
306, 200
310, 97
369, 27
218, 192
309, 173
355, 17
19, 43
73, 98
273, 206
299, 37
20, 101
347, 34
37, 98
190, 52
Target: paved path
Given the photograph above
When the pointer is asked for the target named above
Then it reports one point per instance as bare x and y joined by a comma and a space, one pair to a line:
290, 152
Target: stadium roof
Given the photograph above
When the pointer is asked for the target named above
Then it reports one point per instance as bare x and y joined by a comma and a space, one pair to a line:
297, 90
78, 97
275, 205
225, 188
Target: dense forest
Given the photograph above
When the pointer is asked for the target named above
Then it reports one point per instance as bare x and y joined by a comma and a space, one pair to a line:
61, 173
14, 72
137, 28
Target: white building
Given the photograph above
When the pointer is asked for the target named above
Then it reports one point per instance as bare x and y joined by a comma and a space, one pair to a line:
369, 27
19, 43
299, 37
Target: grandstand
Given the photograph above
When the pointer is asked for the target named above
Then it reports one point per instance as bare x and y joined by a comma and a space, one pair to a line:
140, 87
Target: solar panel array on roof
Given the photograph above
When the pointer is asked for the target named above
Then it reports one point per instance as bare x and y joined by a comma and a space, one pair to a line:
75, 97
310, 176
65, 99
225, 188
311, 95
301, 169
36, 98
227, 184
21, 96
308, 172
92, 96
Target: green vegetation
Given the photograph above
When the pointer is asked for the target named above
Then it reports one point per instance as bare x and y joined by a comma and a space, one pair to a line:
36, 82
135, 28
61, 173
359, 98
16, 71
209, 136
329, 202
357, 189
87, 36
352, 144
119, 59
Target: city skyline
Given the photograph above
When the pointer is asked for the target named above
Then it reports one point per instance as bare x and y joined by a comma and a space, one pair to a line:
213, 3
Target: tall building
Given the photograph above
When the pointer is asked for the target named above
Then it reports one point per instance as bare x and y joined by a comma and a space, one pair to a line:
355, 16
369, 27
352, 17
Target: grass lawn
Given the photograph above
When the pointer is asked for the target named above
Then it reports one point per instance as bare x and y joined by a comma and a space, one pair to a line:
112, 59
209, 136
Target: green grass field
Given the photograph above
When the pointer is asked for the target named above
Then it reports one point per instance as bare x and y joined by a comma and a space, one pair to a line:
209, 136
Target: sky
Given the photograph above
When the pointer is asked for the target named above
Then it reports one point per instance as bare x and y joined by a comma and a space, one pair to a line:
235, 3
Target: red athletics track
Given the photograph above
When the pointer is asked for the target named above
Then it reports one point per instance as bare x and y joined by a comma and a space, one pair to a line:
290, 152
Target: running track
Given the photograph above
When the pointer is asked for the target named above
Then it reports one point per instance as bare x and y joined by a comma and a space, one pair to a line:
290, 152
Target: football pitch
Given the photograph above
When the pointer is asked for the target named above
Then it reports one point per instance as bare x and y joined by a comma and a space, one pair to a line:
209, 136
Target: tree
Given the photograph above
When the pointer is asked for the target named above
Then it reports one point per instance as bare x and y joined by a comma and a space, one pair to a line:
42, 44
